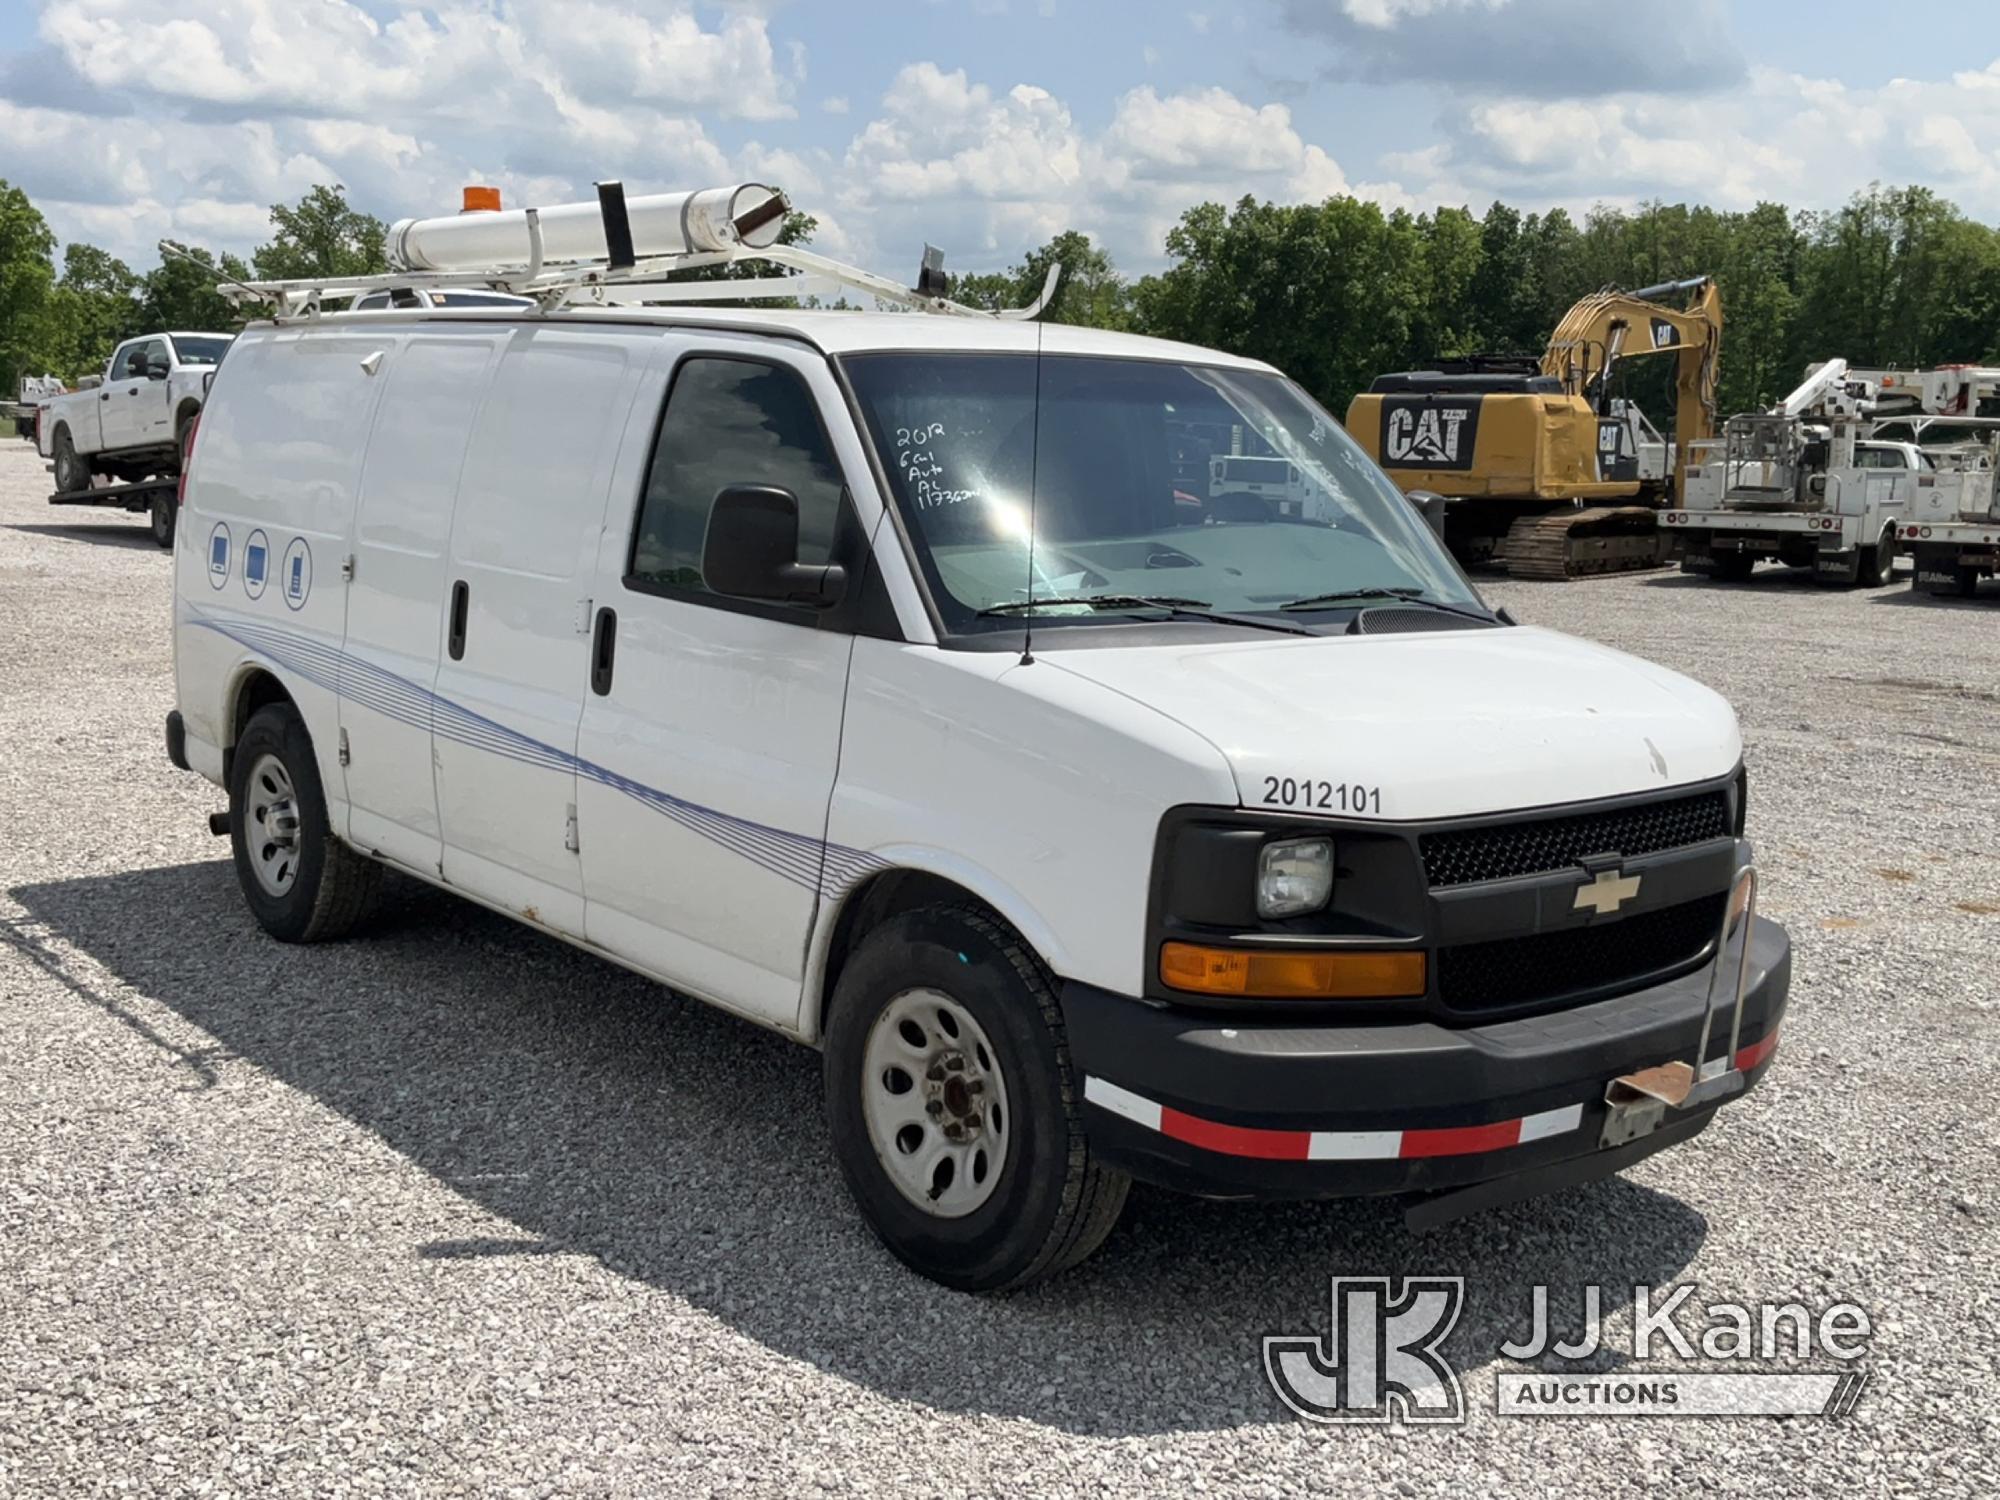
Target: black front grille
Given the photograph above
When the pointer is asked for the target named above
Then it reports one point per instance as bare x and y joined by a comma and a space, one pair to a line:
1477, 978
1461, 856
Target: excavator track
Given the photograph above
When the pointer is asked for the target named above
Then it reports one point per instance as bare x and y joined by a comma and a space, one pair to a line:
1586, 543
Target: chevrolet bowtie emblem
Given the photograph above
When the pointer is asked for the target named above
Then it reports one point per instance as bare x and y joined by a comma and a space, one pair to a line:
1607, 892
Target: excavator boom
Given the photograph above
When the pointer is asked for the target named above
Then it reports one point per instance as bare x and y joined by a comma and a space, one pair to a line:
1554, 476
1612, 325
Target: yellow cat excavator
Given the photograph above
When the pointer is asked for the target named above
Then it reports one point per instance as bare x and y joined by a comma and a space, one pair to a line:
1533, 456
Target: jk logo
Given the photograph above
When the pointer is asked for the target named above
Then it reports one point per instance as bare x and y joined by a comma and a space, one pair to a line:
1382, 1361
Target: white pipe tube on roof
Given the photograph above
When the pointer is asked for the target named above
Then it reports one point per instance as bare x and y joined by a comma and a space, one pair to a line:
748, 214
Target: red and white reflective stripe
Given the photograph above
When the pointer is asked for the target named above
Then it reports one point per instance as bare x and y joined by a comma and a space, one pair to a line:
1365, 1145
1751, 1055
1328, 1145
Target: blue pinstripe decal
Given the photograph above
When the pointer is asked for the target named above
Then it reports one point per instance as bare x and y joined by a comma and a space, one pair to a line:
809, 862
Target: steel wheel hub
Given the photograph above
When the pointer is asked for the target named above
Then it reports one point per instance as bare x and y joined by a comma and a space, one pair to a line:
271, 825
935, 1103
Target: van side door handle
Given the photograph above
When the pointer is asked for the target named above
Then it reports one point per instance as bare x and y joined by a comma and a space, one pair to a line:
461, 597
603, 650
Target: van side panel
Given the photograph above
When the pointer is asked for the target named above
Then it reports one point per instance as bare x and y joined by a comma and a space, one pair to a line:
269, 505
524, 544
434, 380
970, 766
708, 762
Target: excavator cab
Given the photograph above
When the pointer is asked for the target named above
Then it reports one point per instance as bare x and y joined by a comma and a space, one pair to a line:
1546, 470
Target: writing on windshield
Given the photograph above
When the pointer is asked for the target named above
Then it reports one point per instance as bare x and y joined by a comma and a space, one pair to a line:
1136, 478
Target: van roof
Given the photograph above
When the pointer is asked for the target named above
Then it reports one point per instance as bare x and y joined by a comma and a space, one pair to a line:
844, 332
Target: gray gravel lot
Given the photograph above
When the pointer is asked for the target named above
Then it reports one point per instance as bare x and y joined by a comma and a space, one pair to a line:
454, 1208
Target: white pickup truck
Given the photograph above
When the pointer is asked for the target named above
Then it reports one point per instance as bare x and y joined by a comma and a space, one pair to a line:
131, 425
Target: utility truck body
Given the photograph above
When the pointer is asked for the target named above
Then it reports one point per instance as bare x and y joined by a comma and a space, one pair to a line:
1805, 484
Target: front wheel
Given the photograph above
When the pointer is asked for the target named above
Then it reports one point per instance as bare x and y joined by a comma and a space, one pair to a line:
162, 520
302, 884
953, 1109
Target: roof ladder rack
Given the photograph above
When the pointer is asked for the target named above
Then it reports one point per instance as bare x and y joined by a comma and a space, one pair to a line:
618, 252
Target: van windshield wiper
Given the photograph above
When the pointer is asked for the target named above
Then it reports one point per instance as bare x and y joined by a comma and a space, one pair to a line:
1401, 596
1186, 609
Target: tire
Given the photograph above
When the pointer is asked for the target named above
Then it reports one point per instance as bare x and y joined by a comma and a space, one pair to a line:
302, 884
161, 520
1878, 563
72, 473
1966, 582
1734, 567
1047, 1203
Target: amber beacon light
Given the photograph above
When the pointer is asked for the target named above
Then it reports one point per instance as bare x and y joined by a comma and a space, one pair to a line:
1281, 975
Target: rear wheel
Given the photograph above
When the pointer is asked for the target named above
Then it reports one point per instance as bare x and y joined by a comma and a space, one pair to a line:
162, 520
1878, 563
953, 1109
72, 473
302, 884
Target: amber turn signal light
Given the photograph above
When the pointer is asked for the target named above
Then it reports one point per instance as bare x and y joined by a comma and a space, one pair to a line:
1280, 974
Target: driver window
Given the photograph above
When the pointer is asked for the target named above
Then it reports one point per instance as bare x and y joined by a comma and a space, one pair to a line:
728, 422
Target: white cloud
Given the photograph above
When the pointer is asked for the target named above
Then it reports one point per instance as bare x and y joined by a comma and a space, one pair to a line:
1202, 134
990, 174
1382, 14
1560, 49
1781, 136
227, 106
459, 60
836, 105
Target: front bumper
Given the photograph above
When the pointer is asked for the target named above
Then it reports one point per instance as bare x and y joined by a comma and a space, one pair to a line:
1240, 1107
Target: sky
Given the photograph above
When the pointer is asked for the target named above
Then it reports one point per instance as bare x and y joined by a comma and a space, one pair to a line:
982, 126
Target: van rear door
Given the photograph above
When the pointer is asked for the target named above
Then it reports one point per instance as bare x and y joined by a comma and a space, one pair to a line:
433, 384
510, 686
711, 735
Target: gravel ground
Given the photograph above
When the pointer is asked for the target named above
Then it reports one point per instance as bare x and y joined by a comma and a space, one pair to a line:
454, 1208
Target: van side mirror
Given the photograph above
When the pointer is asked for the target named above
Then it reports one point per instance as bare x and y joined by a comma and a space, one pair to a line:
751, 550
156, 367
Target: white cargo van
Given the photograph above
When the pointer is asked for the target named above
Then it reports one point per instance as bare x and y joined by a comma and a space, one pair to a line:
868, 677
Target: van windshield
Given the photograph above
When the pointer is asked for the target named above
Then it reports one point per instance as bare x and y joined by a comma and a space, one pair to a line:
1228, 490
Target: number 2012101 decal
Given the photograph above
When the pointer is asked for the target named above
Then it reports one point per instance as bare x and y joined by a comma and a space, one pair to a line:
1322, 796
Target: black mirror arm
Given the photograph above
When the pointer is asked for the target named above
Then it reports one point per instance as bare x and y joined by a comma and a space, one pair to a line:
819, 587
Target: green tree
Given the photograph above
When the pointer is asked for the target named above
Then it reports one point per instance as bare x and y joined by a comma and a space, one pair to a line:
1758, 275
321, 235
1297, 285
27, 277
1090, 292
180, 293
92, 308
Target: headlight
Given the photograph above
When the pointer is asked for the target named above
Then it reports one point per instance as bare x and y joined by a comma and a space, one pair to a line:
1294, 876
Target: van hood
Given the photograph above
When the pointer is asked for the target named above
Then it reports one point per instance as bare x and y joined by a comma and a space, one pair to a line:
1435, 725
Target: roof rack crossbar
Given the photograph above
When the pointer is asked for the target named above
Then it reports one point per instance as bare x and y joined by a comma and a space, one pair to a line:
605, 283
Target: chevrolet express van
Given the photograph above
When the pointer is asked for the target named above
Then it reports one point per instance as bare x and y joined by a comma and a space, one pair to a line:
919, 687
